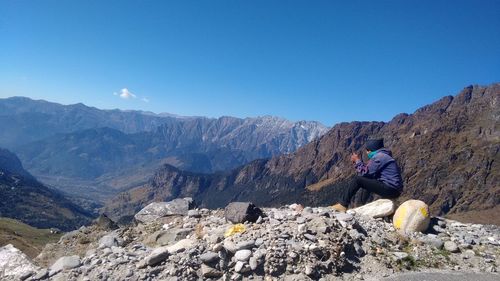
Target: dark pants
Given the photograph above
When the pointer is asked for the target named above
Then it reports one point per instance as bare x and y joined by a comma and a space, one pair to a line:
370, 186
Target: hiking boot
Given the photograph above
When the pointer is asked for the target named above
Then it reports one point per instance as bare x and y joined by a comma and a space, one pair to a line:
339, 207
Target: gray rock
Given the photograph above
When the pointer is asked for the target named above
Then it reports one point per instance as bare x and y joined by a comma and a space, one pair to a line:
301, 220
210, 272
230, 246
451, 246
239, 266
253, 263
166, 237
194, 214
310, 237
108, 241
157, 210
245, 245
209, 257
26, 275
344, 216
259, 220
400, 255
160, 254
42, 274
468, 254
64, 263
239, 212
242, 255
432, 240
157, 256
105, 223
259, 242
309, 270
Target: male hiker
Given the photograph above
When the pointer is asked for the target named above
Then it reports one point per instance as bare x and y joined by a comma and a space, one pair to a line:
381, 175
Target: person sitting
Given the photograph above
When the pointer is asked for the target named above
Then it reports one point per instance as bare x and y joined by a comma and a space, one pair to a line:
381, 175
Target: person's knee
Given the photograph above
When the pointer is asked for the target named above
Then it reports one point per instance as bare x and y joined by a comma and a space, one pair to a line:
358, 180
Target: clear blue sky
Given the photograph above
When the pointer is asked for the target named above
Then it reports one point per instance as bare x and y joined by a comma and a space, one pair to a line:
315, 60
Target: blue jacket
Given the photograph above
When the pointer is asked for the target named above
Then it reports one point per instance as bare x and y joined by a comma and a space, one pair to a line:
383, 168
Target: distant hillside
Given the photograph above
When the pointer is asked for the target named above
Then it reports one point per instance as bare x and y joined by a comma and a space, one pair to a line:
448, 152
26, 238
27, 200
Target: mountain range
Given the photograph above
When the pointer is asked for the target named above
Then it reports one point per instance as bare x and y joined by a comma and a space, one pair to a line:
448, 153
92, 153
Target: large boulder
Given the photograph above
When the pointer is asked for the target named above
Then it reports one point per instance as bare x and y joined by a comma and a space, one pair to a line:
377, 209
412, 216
240, 212
156, 210
14, 264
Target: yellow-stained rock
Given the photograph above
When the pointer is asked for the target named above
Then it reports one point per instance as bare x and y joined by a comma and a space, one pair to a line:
412, 216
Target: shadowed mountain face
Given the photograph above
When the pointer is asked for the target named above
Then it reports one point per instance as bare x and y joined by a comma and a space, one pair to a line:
27, 200
84, 150
448, 152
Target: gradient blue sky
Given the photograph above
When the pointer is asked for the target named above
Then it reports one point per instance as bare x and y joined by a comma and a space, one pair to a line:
329, 61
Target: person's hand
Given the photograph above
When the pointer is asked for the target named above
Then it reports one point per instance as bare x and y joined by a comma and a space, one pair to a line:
355, 157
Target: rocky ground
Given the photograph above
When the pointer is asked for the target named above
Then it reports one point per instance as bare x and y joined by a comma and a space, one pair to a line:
287, 243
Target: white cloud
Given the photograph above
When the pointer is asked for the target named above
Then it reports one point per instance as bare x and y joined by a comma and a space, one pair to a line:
145, 100
126, 94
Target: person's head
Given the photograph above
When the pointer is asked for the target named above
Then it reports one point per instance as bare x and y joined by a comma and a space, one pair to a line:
374, 144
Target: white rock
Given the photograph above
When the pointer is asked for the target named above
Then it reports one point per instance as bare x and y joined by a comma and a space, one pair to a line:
400, 255
451, 246
242, 255
14, 263
63, 263
253, 263
377, 209
108, 241
239, 266
181, 246
161, 253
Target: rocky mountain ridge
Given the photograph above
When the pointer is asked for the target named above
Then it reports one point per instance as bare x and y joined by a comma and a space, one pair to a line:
448, 152
173, 241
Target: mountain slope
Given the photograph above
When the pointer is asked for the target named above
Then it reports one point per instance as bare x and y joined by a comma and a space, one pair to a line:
26, 238
27, 200
448, 152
